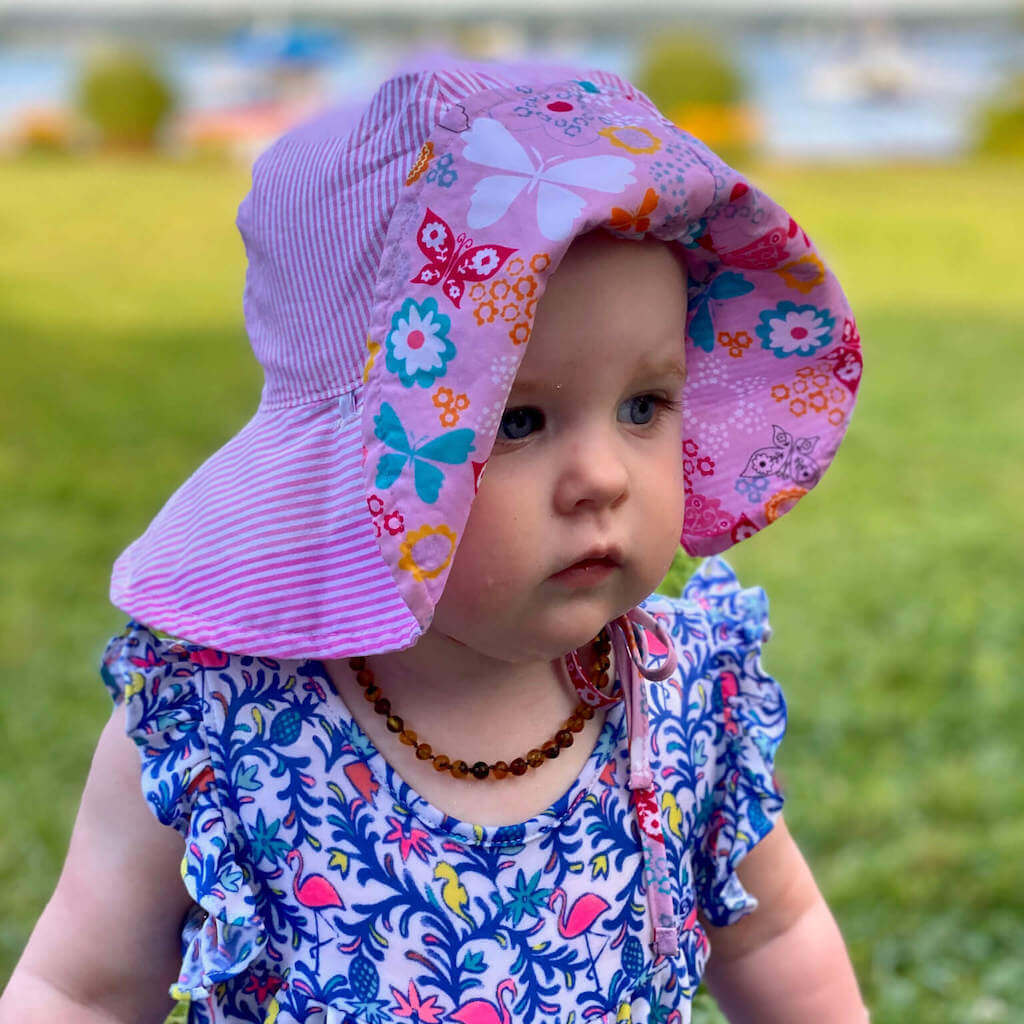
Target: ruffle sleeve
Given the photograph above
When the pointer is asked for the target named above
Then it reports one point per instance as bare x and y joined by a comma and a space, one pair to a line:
747, 718
162, 684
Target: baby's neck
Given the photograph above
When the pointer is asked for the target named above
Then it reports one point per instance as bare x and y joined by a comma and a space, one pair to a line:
467, 708
467, 705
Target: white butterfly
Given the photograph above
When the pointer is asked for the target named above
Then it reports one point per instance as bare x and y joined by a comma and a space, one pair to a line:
490, 143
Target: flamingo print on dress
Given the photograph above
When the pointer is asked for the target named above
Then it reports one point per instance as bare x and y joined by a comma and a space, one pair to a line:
582, 915
317, 894
483, 1011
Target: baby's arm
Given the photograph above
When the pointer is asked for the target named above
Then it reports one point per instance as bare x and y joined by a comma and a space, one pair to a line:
106, 947
784, 963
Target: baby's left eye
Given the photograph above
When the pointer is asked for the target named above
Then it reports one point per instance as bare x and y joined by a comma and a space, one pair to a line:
639, 410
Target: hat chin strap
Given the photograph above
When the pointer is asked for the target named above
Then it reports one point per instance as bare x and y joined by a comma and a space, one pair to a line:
629, 646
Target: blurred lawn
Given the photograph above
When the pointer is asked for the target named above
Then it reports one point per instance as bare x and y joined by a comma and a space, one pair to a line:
895, 587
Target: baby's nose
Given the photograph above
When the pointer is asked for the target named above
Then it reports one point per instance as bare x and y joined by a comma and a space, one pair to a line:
593, 474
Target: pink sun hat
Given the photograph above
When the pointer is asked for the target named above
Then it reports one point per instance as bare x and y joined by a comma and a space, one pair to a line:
396, 260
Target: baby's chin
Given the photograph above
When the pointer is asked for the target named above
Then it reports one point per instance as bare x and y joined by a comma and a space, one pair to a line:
543, 629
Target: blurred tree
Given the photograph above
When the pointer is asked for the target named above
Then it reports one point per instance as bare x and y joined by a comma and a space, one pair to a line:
1001, 122
692, 79
123, 93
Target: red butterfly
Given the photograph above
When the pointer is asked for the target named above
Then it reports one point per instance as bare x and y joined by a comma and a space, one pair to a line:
766, 252
454, 261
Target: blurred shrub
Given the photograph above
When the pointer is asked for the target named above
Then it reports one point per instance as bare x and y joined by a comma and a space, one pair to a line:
1001, 123
45, 131
124, 95
696, 84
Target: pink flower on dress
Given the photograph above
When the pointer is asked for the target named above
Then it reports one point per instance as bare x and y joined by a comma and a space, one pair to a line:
409, 838
422, 1011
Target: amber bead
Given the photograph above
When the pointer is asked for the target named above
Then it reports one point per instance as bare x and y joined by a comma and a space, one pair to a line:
372, 694
364, 677
459, 769
585, 711
602, 664
441, 763
424, 752
382, 706
480, 770
535, 758
394, 723
499, 770
563, 738
550, 750
518, 767
576, 724
408, 737
357, 664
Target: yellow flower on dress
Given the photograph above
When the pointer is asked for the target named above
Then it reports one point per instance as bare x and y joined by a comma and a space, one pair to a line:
435, 555
628, 137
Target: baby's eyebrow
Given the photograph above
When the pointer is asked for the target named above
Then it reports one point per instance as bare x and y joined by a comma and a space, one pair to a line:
672, 367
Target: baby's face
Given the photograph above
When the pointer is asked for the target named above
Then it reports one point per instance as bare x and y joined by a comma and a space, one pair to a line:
587, 459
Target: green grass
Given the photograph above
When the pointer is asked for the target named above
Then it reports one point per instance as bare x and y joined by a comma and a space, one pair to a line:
895, 586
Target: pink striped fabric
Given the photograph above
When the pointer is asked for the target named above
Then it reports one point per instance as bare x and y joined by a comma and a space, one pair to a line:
308, 534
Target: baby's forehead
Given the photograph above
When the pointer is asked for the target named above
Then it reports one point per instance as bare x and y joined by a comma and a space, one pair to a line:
610, 301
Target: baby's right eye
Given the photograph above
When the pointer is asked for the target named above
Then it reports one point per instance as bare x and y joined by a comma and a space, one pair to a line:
518, 423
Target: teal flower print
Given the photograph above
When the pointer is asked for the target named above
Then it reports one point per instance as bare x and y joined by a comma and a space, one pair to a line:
264, 842
418, 347
526, 898
792, 330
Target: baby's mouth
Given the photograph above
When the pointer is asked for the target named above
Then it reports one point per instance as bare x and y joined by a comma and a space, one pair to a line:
591, 568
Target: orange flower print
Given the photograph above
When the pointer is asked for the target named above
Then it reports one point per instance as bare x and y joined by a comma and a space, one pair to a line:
520, 333
736, 343
781, 502
451, 404
635, 221
512, 297
423, 158
812, 390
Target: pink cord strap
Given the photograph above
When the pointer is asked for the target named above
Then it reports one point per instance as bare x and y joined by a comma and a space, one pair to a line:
630, 645
587, 692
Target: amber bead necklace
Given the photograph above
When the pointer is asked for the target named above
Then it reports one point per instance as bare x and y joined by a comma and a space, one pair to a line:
459, 768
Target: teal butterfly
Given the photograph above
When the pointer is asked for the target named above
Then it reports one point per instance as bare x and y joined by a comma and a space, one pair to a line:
451, 447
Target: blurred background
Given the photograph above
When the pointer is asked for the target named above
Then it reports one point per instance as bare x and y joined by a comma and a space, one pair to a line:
893, 130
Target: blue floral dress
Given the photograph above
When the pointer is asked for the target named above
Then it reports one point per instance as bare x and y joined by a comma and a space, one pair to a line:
326, 890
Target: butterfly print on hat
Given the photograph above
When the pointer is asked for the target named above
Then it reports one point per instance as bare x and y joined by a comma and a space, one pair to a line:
454, 261
766, 252
788, 457
490, 143
724, 285
452, 447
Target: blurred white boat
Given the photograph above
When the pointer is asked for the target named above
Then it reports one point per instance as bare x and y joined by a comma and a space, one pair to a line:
883, 72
